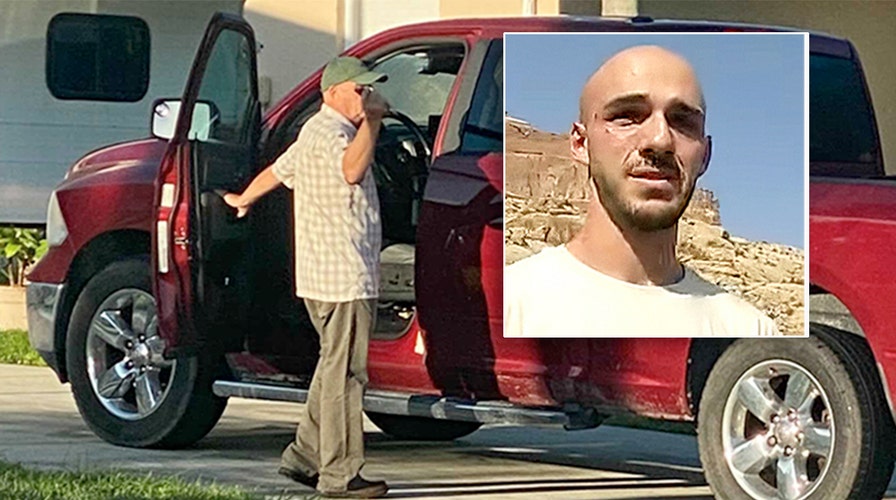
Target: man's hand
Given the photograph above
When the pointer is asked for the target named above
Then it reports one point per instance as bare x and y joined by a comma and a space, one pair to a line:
375, 105
263, 183
359, 153
235, 201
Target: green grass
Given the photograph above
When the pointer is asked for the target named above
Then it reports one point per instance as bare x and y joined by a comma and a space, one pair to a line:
25, 484
15, 349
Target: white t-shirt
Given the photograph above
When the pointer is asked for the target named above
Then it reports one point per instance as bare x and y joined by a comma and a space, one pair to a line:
553, 294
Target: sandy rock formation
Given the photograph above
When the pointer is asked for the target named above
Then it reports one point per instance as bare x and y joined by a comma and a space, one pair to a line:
546, 195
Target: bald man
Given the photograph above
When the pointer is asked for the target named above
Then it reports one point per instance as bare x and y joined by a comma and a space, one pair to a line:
641, 133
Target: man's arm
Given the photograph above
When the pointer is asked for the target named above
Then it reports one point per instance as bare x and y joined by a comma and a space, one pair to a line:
262, 184
359, 153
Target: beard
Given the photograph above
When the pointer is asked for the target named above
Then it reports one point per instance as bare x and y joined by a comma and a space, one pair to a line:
639, 214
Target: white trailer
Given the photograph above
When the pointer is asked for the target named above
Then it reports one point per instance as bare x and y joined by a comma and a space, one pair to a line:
41, 135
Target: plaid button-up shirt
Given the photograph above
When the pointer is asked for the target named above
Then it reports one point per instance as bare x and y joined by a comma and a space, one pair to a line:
337, 224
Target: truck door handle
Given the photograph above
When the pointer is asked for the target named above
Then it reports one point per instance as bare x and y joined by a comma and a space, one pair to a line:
181, 241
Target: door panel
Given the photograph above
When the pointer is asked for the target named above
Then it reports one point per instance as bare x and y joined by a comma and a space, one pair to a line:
211, 249
459, 274
460, 244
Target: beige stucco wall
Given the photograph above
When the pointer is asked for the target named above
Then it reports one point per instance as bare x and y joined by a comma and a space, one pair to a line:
298, 38
547, 7
381, 15
868, 24
491, 8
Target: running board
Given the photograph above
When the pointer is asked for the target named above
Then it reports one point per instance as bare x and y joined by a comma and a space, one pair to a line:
418, 405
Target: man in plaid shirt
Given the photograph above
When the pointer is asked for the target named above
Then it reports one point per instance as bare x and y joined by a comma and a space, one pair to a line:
338, 238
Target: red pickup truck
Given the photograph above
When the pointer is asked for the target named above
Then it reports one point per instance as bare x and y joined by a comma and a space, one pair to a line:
157, 304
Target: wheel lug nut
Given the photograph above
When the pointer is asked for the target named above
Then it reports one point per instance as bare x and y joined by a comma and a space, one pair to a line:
788, 450
141, 338
129, 364
142, 369
772, 441
129, 344
776, 418
800, 436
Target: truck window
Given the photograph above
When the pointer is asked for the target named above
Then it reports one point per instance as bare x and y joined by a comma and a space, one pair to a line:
420, 80
483, 132
97, 57
843, 141
227, 85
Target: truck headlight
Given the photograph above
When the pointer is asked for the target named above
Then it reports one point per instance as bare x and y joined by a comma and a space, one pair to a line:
57, 231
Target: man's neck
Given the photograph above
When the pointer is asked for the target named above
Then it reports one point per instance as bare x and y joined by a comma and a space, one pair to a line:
339, 108
639, 257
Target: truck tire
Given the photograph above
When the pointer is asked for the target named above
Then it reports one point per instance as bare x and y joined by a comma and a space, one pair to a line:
421, 428
127, 393
796, 419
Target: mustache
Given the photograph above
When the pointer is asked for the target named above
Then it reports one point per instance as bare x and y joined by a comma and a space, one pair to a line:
662, 165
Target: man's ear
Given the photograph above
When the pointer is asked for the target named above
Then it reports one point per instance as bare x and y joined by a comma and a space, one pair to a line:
706, 156
330, 92
578, 143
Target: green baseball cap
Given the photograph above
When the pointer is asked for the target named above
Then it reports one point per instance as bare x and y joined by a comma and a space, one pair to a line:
348, 69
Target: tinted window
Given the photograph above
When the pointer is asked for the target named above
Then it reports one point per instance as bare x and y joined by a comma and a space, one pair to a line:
228, 85
97, 57
483, 132
841, 129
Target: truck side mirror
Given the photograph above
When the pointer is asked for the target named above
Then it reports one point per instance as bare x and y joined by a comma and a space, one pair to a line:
166, 111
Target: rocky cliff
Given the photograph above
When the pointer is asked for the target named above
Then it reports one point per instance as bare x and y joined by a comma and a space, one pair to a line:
546, 204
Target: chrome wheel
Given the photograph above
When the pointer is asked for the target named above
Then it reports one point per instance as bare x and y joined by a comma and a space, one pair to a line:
125, 366
778, 431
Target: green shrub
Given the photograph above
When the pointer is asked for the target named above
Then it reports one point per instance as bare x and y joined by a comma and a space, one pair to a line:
20, 248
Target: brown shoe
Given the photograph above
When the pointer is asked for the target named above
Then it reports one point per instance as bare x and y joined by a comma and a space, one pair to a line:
359, 487
299, 476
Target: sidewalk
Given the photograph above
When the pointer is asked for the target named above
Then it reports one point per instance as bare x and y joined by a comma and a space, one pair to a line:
40, 427
12, 308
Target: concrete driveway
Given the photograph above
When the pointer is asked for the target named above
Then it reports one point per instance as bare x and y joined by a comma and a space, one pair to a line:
40, 427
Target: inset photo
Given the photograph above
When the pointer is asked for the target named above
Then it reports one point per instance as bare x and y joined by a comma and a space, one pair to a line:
656, 185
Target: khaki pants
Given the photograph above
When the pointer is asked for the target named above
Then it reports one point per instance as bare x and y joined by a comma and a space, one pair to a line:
330, 436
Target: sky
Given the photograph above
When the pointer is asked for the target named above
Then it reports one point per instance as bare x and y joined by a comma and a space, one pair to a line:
754, 85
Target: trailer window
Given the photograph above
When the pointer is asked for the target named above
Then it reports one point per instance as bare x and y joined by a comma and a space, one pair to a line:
97, 57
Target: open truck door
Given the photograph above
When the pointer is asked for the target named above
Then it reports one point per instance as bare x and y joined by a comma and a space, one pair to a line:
200, 248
